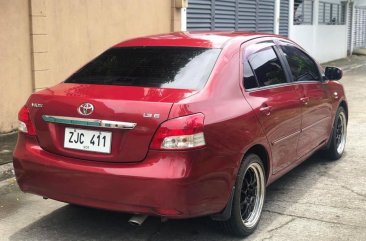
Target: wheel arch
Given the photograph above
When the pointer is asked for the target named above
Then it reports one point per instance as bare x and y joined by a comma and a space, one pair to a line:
262, 152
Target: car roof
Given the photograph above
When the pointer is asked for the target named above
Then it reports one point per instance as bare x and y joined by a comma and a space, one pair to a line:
192, 39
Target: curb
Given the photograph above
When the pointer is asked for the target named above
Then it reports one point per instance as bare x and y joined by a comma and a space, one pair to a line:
10, 133
6, 171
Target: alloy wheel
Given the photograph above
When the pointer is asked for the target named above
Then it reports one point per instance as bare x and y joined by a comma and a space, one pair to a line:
252, 195
341, 131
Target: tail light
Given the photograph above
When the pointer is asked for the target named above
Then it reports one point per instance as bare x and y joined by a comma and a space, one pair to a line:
180, 133
25, 123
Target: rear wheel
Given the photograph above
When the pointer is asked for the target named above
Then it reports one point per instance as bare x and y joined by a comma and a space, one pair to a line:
249, 197
338, 136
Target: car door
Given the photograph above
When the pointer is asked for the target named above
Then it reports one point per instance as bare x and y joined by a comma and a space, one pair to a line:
315, 98
274, 100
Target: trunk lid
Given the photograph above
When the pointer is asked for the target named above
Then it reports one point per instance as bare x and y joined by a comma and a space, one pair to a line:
144, 106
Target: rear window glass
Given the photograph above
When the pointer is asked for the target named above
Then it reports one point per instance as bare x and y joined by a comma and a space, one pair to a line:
250, 81
163, 67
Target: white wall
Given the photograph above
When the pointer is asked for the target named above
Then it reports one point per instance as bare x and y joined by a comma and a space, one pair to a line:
331, 42
324, 42
360, 3
304, 36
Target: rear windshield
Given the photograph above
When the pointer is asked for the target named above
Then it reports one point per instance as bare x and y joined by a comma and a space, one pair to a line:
163, 67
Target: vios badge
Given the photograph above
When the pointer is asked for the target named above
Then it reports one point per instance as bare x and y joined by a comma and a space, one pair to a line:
86, 109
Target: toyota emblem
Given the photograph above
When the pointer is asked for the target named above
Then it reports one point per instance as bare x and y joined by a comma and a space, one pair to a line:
86, 109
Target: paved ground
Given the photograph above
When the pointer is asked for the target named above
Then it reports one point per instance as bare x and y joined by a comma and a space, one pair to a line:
319, 200
7, 143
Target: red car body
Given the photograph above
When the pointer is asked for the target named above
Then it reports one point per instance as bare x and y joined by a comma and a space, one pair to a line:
283, 124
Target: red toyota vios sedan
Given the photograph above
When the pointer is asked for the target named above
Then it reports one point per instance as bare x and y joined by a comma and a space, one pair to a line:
181, 125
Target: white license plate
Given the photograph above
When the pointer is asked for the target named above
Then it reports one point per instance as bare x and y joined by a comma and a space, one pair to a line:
88, 140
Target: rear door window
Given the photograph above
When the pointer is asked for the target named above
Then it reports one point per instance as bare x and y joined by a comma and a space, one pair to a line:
267, 67
163, 67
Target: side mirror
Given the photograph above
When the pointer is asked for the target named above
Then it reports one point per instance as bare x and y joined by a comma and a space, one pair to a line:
333, 73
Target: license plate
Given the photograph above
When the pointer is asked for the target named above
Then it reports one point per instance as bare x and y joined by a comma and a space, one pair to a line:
88, 140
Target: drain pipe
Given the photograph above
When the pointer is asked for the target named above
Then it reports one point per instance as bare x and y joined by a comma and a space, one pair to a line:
137, 220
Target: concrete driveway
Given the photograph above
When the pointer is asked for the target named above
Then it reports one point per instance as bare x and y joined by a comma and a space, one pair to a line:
319, 200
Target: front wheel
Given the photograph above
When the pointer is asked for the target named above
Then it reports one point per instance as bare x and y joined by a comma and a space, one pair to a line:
250, 190
338, 136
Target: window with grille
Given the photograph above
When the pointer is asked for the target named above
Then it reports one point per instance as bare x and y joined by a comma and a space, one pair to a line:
303, 12
229, 15
332, 13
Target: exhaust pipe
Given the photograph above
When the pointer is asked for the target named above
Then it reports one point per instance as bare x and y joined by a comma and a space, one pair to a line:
137, 220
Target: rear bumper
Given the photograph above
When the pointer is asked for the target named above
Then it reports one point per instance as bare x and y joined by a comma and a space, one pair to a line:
170, 184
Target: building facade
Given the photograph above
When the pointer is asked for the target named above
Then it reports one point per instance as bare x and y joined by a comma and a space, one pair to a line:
357, 28
44, 41
320, 26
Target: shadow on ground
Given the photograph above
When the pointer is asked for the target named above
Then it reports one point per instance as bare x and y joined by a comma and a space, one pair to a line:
79, 223
7, 144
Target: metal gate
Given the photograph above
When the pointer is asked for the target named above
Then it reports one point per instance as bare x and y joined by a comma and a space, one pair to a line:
359, 30
239, 15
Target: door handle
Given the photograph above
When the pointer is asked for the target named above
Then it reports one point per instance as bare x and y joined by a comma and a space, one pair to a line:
266, 109
304, 100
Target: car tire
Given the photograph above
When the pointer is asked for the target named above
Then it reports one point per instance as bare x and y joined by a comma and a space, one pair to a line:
248, 200
338, 136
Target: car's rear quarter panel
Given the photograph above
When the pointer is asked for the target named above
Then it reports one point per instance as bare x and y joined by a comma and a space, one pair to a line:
231, 127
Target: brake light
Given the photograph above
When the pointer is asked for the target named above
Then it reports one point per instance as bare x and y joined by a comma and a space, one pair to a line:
180, 133
25, 123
